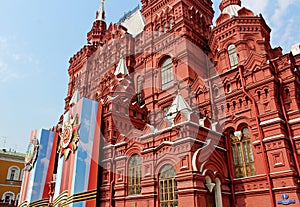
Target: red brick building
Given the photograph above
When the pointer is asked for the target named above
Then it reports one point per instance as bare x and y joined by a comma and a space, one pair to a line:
192, 114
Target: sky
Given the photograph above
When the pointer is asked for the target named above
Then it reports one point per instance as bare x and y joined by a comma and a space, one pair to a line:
38, 37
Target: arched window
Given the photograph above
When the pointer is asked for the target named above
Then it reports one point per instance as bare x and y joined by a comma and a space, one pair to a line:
8, 197
242, 153
134, 175
232, 56
139, 89
13, 173
168, 187
167, 76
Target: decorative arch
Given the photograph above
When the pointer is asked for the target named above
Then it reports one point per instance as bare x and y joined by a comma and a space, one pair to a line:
213, 184
8, 196
133, 149
166, 160
204, 161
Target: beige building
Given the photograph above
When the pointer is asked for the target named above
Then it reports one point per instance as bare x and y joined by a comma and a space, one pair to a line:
11, 173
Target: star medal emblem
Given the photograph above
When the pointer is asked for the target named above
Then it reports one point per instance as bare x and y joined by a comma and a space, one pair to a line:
69, 137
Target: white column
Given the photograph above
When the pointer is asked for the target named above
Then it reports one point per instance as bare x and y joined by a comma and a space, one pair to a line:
218, 193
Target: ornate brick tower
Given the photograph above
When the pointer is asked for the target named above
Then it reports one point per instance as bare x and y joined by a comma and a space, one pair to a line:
97, 32
257, 108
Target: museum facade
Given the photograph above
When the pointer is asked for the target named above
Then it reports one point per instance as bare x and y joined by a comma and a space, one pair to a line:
166, 109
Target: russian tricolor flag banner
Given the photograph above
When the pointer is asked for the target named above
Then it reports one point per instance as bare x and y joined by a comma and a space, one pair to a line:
39, 168
77, 170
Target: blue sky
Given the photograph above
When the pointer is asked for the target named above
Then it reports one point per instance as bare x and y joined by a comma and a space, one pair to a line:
38, 37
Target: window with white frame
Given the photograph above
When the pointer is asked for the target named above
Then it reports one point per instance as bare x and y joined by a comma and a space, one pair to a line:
134, 175
168, 196
8, 197
167, 75
13, 173
233, 59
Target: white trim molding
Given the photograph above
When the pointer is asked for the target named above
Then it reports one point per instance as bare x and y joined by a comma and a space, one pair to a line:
270, 121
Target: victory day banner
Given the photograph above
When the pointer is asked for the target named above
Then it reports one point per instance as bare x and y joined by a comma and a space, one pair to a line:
39, 168
77, 171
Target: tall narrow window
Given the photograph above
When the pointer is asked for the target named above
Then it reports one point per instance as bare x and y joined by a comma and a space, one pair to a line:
134, 175
171, 24
242, 153
165, 28
167, 76
139, 89
13, 173
168, 187
232, 56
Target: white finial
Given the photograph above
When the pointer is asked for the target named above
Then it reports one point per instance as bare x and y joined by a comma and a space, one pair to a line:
101, 12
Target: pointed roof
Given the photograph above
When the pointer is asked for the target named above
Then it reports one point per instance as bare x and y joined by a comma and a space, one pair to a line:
134, 22
178, 105
121, 68
101, 13
75, 98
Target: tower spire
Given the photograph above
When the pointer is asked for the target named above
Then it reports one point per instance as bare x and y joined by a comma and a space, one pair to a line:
226, 3
101, 13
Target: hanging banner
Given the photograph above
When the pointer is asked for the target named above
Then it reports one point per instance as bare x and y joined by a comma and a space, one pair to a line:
39, 168
77, 171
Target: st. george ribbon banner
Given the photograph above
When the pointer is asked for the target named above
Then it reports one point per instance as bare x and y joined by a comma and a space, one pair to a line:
77, 170
39, 168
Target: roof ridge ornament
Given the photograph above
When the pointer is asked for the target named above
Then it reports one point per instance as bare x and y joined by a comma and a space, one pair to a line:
122, 67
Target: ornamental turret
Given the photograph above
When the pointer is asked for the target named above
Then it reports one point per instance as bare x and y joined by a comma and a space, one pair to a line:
237, 35
98, 30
